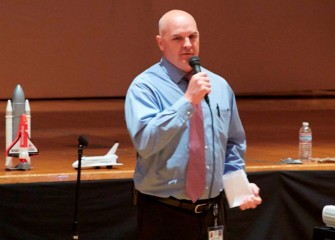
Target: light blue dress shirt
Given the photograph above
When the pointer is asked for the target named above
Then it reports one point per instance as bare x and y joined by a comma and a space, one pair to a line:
157, 117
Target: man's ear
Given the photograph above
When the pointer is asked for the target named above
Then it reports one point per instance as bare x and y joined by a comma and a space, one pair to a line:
159, 41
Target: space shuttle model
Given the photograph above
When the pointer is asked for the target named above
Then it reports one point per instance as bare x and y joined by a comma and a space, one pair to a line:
109, 160
18, 132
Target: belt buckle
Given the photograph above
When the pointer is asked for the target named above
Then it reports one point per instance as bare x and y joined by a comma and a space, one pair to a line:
199, 205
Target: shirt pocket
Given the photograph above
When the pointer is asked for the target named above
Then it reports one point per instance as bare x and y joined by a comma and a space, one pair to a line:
223, 119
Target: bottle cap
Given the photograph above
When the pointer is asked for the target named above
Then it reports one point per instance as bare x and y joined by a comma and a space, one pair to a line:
305, 124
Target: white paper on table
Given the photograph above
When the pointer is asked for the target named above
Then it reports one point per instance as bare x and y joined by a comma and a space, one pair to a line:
236, 186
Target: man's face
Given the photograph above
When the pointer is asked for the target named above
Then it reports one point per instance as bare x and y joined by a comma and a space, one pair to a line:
179, 40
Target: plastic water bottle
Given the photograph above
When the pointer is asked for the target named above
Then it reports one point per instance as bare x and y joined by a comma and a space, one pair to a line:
305, 142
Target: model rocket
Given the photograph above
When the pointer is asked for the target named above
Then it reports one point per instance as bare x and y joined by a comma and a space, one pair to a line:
22, 147
18, 132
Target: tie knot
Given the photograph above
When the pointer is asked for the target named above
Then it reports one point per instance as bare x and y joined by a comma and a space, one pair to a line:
187, 77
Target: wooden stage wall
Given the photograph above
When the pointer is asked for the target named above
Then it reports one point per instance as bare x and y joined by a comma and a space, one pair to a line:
271, 126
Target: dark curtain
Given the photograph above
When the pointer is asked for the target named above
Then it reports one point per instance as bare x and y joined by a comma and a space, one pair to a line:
46, 210
292, 207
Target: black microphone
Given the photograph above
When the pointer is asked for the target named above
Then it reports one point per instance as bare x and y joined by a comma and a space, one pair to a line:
194, 62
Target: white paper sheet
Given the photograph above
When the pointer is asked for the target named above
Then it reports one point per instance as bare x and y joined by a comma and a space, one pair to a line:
236, 186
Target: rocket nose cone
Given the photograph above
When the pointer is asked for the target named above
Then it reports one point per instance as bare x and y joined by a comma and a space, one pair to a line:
9, 108
18, 94
23, 119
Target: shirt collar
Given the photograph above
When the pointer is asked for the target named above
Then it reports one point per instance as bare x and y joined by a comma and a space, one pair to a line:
174, 73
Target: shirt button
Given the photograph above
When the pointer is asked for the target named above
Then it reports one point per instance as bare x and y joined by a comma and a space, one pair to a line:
206, 147
208, 167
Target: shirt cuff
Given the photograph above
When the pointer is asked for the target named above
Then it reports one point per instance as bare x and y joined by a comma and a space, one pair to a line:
184, 108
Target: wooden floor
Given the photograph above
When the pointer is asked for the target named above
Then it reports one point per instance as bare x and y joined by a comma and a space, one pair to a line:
271, 126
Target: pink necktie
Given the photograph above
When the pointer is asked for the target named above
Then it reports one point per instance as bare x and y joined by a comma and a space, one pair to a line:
196, 171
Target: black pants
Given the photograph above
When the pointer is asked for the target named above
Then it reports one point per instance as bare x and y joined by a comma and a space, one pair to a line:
157, 220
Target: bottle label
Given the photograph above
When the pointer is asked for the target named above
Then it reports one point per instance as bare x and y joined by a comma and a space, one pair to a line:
305, 137
305, 151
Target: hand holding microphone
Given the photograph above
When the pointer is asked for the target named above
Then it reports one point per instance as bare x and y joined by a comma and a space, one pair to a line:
199, 85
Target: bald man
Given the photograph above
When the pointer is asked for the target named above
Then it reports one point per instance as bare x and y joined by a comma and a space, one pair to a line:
160, 104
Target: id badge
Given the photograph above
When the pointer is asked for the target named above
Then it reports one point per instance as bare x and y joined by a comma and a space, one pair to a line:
215, 233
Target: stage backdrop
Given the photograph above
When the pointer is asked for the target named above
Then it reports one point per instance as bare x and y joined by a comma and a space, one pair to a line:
88, 48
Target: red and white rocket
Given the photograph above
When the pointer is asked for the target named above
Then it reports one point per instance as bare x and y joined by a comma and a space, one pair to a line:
18, 125
22, 147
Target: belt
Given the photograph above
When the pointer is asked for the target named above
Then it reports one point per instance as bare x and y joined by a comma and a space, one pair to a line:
197, 207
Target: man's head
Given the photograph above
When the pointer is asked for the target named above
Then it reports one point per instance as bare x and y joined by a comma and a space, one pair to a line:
178, 38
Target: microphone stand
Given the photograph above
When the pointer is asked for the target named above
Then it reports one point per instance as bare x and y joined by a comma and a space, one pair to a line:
82, 142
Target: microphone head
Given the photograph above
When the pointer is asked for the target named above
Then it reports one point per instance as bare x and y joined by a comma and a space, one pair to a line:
83, 141
194, 61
